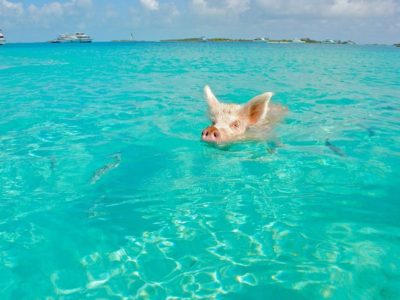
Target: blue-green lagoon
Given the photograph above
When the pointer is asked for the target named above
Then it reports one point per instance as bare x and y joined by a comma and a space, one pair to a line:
107, 192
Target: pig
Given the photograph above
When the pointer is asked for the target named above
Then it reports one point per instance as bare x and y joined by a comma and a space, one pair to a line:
234, 122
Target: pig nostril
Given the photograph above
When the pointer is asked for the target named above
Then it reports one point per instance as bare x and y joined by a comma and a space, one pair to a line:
206, 133
215, 134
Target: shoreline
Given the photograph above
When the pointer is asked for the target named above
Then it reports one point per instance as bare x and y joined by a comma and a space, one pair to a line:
212, 40
195, 42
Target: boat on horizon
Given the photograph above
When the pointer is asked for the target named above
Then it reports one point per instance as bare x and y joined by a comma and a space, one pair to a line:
78, 37
2, 38
125, 40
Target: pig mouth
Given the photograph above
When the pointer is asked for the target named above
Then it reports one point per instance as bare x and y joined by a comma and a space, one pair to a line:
213, 140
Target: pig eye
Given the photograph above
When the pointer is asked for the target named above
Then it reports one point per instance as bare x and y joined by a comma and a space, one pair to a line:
235, 124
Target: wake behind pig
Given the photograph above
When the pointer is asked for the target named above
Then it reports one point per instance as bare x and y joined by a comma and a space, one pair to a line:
233, 122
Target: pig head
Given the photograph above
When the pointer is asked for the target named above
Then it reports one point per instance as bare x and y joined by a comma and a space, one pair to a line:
232, 122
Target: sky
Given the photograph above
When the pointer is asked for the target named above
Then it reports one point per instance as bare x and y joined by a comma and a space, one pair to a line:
363, 21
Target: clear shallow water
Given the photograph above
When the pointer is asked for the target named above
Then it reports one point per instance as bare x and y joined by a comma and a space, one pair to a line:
107, 192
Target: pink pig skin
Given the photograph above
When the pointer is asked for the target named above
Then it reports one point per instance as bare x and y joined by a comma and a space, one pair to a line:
234, 122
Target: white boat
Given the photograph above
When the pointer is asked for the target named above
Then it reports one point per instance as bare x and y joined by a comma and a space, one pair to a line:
78, 37
2, 38
83, 38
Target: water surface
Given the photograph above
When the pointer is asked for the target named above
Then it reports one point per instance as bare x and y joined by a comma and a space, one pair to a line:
107, 192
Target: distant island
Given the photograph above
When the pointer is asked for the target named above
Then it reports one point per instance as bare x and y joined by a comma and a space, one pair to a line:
260, 39
124, 41
202, 39
131, 40
397, 45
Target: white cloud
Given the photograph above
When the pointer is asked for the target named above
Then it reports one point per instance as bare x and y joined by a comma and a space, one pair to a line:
50, 12
17, 12
53, 9
10, 9
238, 6
346, 19
226, 7
330, 8
170, 11
150, 4
362, 8
293, 7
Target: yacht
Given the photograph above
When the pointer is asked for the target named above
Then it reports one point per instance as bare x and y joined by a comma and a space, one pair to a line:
83, 38
78, 37
2, 38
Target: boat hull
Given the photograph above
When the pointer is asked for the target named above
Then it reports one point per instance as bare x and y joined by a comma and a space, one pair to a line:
72, 38
76, 41
67, 42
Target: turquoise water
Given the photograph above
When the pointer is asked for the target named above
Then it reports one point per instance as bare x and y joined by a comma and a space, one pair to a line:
107, 192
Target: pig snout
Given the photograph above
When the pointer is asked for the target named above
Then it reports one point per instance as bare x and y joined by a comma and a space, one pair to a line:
211, 134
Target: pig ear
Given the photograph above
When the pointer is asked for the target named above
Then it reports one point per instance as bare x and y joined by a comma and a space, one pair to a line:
257, 108
212, 101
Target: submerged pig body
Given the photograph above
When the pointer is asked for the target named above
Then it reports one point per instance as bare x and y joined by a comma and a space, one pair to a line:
233, 122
